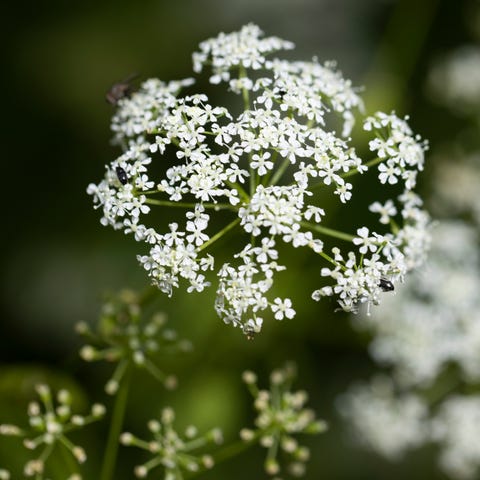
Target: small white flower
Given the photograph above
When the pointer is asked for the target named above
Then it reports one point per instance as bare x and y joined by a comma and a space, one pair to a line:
283, 308
386, 211
389, 172
365, 241
261, 163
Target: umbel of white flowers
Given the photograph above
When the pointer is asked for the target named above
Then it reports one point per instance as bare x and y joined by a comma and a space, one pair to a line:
258, 170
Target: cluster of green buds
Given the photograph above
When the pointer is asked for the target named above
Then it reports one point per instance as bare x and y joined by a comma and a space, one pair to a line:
50, 422
125, 336
172, 451
281, 414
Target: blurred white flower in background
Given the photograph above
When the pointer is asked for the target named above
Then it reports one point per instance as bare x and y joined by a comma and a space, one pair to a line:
384, 422
435, 317
455, 80
428, 334
456, 428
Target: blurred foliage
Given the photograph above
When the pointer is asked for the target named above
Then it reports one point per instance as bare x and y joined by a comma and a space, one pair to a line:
59, 59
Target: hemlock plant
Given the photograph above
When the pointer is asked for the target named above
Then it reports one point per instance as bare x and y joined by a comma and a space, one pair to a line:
259, 169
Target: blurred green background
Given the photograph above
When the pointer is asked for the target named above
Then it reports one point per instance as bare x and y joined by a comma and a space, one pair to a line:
59, 59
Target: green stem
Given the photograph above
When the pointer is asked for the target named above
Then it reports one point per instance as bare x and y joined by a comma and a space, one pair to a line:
116, 425
218, 235
328, 231
331, 260
234, 449
243, 194
394, 227
66, 450
280, 171
168, 203
252, 173
228, 452
266, 178
399, 51
370, 163
245, 93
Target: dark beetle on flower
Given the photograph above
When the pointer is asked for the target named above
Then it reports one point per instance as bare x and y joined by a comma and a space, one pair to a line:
120, 90
386, 285
121, 175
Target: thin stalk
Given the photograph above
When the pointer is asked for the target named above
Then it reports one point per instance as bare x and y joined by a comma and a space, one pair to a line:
72, 466
234, 449
331, 260
228, 452
266, 178
328, 231
251, 171
400, 50
218, 235
116, 425
168, 203
278, 173
245, 94
243, 194
350, 173
369, 164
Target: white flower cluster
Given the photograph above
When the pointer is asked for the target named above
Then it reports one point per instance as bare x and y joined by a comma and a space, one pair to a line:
261, 167
384, 422
392, 423
456, 427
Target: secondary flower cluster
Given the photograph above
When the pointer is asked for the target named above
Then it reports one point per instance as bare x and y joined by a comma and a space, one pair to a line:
281, 415
391, 423
261, 169
170, 450
49, 426
125, 337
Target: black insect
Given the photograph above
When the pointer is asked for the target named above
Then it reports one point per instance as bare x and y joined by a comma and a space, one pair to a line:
249, 333
121, 175
120, 90
386, 285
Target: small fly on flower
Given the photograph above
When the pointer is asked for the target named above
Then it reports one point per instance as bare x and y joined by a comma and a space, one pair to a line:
386, 285
120, 90
121, 175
